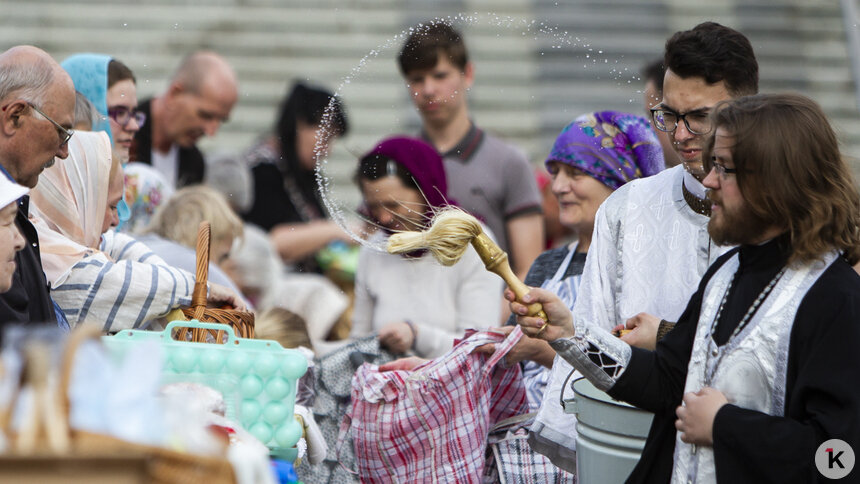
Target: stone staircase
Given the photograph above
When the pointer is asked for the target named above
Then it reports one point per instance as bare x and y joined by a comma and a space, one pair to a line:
800, 44
272, 42
539, 63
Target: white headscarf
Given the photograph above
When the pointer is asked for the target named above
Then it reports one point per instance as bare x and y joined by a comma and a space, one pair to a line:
68, 205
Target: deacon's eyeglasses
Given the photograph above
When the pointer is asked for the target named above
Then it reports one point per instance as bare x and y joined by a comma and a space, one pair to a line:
667, 120
123, 115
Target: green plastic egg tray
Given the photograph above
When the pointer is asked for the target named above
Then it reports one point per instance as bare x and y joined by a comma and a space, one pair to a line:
256, 377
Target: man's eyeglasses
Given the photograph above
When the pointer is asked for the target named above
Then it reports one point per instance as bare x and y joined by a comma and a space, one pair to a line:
64, 134
123, 115
721, 169
667, 120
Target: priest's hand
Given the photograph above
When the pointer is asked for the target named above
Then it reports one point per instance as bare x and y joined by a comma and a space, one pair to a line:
696, 416
643, 331
397, 337
526, 349
560, 324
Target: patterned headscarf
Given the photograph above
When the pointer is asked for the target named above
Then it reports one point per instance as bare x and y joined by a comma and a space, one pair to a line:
611, 146
145, 189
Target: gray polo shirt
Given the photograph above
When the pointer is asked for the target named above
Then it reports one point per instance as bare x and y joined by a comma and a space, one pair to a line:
492, 180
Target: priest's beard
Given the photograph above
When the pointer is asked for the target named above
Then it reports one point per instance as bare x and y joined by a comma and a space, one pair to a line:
734, 225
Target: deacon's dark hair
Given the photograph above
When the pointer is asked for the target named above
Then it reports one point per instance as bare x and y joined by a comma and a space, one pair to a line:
715, 53
429, 40
790, 172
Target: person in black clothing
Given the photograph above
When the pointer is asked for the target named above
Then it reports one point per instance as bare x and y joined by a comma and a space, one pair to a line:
198, 100
37, 111
761, 368
286, 200
11, 241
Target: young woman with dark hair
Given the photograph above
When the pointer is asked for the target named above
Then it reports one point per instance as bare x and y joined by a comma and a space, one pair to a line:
286, 198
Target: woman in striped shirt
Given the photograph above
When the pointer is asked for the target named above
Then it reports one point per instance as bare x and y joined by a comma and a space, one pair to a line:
115, 281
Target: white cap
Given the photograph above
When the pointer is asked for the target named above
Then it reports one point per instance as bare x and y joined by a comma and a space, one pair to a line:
10, 191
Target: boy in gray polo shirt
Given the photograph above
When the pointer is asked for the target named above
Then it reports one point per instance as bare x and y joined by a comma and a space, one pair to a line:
486, 176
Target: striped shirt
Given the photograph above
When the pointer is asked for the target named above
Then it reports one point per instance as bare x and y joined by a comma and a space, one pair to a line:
121, 287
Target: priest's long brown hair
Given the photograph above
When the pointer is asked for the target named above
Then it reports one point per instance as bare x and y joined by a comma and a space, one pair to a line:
790, 171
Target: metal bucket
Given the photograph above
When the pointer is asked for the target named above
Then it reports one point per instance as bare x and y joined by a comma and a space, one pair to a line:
610, 435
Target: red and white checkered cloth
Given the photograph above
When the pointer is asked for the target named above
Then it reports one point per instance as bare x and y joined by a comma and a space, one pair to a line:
430, 424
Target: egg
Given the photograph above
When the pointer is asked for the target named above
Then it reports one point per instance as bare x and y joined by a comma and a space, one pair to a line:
277, 388
275, 413
250, 386
294, 365
183, 360
288, 434
249, 411
238, 363
265, 365
262, 431
212, 360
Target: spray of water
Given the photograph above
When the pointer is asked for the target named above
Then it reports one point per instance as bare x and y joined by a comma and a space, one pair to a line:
346, 217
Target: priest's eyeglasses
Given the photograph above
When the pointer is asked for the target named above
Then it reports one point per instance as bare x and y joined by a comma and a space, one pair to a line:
721, 169
697, 122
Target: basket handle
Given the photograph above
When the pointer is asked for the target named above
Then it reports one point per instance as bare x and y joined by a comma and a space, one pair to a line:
198, 297
194, 324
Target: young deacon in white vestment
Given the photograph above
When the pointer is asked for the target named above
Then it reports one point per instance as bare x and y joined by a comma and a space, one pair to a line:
650, 245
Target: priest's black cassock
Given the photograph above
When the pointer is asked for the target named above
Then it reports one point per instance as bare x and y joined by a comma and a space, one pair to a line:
822, 398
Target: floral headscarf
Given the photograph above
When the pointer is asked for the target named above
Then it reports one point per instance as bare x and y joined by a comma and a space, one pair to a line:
145, 189
611, 146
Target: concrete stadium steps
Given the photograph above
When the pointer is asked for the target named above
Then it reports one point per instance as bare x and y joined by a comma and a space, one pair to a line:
529, 55
800, 45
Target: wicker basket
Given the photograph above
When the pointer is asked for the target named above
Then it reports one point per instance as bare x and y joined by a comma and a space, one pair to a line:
241, 321
95, 458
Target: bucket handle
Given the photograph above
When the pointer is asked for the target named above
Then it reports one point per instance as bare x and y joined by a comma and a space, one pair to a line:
563, 388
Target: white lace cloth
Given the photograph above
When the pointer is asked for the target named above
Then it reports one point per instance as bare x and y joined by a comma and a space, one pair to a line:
648, 252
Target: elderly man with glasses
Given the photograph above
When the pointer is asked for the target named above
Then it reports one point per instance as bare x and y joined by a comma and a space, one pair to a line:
37, 105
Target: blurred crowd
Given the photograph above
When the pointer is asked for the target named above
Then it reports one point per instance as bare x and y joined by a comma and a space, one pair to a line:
674, 228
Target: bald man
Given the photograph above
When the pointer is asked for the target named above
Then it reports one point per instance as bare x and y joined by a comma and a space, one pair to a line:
198, 100
37, 109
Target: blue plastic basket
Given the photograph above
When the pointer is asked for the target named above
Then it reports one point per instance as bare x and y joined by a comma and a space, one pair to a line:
257, 377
